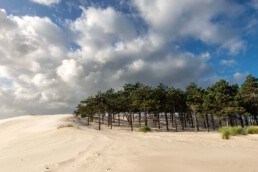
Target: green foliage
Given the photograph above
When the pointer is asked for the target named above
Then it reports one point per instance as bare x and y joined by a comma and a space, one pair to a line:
200, 115
252, 130
237, 131
219, 101
194, 98
226, 132
176, 100
144, 129
248, 94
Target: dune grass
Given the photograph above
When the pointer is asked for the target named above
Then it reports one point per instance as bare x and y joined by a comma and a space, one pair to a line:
144, 129
252, 130
227, 132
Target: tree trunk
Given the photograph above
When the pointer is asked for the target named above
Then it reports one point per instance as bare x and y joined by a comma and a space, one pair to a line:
127, 115
158, 120
155, 119
207, 121
204, 123
139, 119
99, 121
220, 123
111, 121
166, 118
174, 116
108, 119
192, 121
241, 120
212, 121
246, 121
235, 118
103, 121
131, 121
185, 120
118, 119
145, 119
256, 119
113, 118
182, 121
230, 120
175, 121
196, 124
172, 119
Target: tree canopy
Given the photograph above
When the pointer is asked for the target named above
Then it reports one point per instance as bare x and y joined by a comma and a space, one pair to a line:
195, 107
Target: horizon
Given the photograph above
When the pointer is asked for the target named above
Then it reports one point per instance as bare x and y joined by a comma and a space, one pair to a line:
56, 52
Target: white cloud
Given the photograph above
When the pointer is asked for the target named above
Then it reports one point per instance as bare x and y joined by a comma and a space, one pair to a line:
70, 70
100, 29
31, 49
239, 77
235, 46
228, 63
108, 50
41, 80
46, 2
46, 77
175, 20
41, 69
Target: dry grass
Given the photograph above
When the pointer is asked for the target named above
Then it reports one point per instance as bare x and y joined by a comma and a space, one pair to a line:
65, 126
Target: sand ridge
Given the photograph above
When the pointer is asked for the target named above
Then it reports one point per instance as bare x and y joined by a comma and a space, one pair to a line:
35, 144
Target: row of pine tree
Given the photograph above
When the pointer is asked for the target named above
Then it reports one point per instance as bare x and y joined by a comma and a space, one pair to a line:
169, 108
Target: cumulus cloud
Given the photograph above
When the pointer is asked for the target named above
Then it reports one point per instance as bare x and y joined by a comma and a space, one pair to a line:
128, 57
31, 49
46, 2
195, 19
42, 75
99, 29
70, 70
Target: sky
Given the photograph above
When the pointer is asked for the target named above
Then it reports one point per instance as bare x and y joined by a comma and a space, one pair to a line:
54, 53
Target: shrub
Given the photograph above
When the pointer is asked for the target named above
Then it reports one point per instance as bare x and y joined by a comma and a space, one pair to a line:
236, 131
252, 130
144, 129
225, 132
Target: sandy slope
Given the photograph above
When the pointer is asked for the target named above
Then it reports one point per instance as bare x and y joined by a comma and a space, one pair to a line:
34, 144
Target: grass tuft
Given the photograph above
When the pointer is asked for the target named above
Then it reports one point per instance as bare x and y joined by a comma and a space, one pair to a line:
252, 130
144, 129
226, 132
65, 125
234, 131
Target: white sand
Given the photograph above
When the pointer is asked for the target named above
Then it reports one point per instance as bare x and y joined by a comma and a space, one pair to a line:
34, 144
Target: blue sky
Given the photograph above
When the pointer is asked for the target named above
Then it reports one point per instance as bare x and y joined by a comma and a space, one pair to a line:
77, 47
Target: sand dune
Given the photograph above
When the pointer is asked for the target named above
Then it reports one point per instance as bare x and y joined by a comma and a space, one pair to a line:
35, 144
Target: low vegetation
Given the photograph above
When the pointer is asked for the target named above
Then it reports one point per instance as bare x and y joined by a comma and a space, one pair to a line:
252, 130
145, 129
65, 125
227, 132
